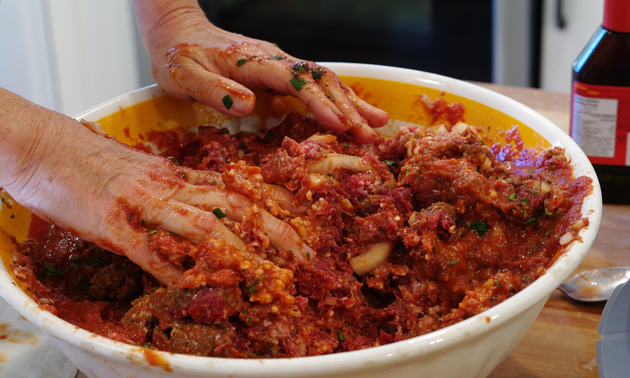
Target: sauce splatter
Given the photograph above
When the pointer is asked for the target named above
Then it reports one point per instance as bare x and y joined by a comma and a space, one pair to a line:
16, 336
154, 359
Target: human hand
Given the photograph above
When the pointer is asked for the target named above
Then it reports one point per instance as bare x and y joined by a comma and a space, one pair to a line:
110, 194
193, 59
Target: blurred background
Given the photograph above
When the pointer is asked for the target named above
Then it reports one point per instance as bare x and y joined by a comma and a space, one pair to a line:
70, 55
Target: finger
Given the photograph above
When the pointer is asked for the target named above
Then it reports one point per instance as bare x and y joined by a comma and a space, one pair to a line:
200, 177
280, 233
280, 75
375, 116
192, 223
284, 198
136, 248
193, 81
284, 236
349, 115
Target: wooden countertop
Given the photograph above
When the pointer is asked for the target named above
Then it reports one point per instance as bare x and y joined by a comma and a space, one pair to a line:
561, 342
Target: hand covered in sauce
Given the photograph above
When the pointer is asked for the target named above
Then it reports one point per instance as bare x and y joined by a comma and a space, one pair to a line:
107, 193
191, 59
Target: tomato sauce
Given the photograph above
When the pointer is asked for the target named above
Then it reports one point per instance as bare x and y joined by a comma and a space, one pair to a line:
461, 227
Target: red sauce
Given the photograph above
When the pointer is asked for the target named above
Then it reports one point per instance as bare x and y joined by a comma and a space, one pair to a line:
470, 226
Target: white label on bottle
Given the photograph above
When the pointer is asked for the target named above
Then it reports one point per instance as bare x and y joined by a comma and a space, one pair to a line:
595, 125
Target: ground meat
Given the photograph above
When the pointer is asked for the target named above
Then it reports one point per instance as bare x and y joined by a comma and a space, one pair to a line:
462, 226
119, 281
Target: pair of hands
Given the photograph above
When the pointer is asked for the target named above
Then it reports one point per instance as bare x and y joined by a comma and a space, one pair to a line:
89, 184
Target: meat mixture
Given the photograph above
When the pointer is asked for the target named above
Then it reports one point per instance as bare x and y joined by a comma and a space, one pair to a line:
412, 234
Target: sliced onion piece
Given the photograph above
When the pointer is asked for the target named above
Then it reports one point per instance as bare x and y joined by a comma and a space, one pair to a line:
373, 258
339, 161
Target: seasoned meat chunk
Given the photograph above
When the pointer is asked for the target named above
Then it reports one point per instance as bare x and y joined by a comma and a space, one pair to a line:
120, 281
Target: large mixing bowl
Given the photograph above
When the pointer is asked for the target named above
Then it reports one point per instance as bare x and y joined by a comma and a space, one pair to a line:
471, 348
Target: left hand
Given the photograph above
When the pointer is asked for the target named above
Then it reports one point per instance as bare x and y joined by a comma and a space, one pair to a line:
191, 59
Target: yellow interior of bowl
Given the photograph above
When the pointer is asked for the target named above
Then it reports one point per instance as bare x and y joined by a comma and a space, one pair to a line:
401, 100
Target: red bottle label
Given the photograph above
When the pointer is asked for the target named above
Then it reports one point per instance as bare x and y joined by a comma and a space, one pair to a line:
600, 122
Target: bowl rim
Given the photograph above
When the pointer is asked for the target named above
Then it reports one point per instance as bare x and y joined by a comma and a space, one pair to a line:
375, 357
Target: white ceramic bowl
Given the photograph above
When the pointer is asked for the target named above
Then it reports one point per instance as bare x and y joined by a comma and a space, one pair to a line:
471, 348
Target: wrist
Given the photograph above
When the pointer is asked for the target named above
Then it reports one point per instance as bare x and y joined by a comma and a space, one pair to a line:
162, 21
30, 143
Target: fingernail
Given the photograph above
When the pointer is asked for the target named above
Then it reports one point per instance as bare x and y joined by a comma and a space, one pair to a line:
239, 105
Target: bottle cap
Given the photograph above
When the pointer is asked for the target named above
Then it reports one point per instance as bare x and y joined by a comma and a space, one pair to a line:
617, 15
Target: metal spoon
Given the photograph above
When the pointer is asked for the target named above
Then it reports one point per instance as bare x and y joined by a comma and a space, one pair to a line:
595, 285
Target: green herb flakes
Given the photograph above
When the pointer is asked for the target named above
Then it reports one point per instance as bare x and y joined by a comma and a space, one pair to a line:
51, 271
340, 336
480, 226
530, 221
390, 164
297, 83
240, 62
227, 101
317, 73
219, 213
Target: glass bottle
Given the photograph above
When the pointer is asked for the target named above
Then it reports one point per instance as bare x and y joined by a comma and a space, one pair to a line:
600, 116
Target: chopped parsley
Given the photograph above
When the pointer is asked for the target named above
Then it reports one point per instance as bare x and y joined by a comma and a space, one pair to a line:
341, 336
297, 83
530, 221
51, 271
220, 214
277, 57
317, 73
298, 68
513, 196
452, 262
174, 160
152, 232
390, 163
251, 288
227, 101
480, 226
240, 62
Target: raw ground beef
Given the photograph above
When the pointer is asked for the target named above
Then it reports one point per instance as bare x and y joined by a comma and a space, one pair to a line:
465, 230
